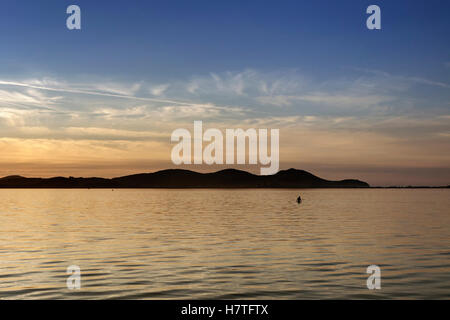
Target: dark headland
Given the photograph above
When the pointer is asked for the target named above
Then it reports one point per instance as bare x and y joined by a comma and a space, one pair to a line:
176, 178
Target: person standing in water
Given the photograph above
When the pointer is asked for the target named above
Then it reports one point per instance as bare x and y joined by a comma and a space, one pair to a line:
299, 199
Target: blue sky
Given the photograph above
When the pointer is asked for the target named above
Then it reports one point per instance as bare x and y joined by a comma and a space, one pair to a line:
170, 39
138, 69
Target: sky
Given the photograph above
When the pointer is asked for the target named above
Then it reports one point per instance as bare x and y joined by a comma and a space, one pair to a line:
349, 102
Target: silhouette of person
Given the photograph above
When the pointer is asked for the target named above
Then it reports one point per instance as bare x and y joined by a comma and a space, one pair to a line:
299, 199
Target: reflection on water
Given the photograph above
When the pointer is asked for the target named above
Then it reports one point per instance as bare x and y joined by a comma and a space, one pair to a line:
224, 244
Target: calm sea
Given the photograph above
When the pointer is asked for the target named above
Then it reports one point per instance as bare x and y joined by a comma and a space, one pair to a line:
224, 244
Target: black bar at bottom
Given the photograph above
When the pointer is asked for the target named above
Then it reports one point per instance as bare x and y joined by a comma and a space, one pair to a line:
225, 309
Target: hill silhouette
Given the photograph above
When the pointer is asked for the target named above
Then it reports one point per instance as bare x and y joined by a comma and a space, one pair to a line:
177, 178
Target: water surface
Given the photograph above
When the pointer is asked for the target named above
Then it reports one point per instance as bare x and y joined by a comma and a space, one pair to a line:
224, 244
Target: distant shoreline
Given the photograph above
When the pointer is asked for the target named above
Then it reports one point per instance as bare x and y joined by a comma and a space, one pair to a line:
186, 179
412, 187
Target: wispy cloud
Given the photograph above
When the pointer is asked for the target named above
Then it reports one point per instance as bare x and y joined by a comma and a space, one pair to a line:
159, 89
90, 92
419, 80
30, 96
348, 100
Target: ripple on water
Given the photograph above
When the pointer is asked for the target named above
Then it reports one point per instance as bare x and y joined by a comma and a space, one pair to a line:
224, 244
